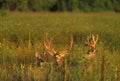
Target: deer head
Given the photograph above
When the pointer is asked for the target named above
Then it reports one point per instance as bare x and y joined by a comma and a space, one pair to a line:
91, 43
49, 48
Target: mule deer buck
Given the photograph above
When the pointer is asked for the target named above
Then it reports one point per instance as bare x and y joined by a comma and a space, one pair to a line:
91, 43
49, 51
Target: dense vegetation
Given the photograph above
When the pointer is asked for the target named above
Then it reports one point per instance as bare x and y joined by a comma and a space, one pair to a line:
61, 5
21, 34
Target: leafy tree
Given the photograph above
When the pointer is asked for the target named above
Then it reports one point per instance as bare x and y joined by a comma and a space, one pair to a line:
73, 5
22, 5
61, 5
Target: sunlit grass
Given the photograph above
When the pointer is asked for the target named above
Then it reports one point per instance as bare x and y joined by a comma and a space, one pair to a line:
23, 33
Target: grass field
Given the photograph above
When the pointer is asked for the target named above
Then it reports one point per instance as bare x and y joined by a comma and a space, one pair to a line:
21, 34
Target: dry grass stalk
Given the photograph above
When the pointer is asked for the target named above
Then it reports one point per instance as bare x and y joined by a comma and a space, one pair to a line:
117, 75
65, 69
102, 68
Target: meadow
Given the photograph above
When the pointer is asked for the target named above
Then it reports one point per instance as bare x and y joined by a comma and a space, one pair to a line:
21, 34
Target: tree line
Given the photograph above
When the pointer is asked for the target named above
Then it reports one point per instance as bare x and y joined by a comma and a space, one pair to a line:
61, 5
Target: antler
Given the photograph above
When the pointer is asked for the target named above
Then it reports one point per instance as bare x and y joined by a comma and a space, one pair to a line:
50, 49
91, 41
47, 43
71, 42
65, 50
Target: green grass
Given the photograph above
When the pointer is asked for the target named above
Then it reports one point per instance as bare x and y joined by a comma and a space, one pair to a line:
21, 34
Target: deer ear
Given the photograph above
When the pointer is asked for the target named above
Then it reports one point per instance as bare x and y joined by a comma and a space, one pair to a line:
37, 54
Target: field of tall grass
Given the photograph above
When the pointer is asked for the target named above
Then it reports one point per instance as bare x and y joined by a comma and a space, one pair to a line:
21, 34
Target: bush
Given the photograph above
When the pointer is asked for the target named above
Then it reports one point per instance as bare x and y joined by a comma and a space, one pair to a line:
61, 5
22, 5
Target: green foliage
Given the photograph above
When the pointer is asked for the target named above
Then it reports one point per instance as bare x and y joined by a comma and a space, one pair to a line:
61, 5
22, 5
73, 5
41, 5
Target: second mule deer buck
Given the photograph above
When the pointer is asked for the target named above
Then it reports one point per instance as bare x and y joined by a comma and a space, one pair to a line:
91, 43
49, 50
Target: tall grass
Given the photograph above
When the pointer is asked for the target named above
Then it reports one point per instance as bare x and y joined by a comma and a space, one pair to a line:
23, 33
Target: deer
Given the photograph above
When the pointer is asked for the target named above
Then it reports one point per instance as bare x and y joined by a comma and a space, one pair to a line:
91, 43
91, 54
50, 50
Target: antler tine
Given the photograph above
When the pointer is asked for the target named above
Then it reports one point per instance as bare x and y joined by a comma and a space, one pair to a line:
45, 45
87, 42
71, 42
93, 37
91, 41
46, 37
47, 42
53, 50
61, 54
96, 39
50, 43
49, 46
